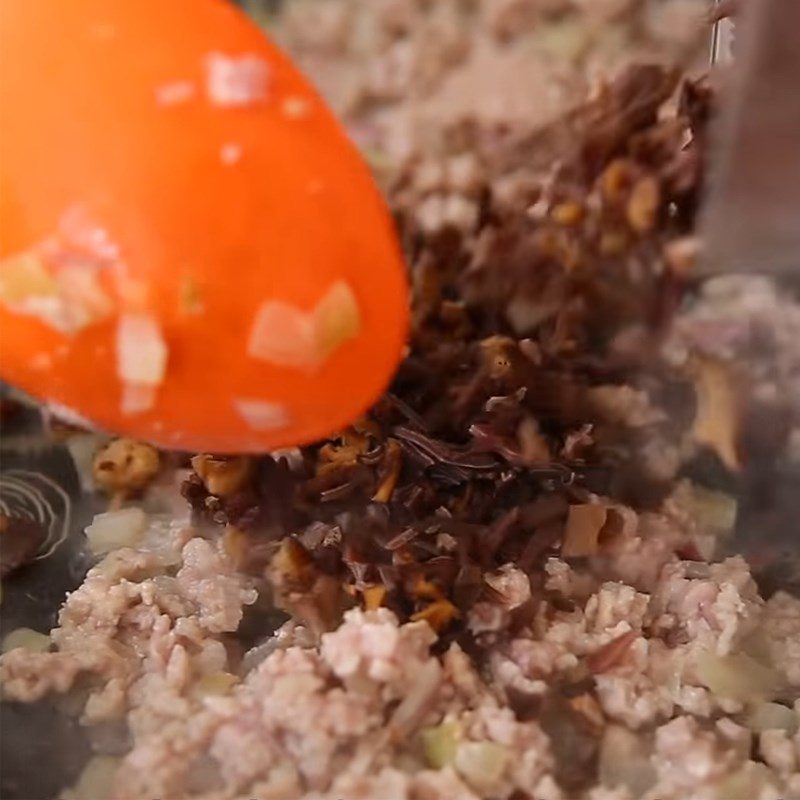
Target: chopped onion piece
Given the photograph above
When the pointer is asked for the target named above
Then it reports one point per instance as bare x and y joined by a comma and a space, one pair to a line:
482, 764
27, 639
748, 781
739, 677
24, 276
83, 295
236, 81
771, 716
96, 781
50, 310
624, 761
440, 743
714, 512
137, 397
115, 529
336, 319
141, 350
285, 335
261, 415
66, 296
757, 645
81, 232
215, 684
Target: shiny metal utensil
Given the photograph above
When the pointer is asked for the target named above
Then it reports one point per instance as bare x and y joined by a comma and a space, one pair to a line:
751, 222
722, 34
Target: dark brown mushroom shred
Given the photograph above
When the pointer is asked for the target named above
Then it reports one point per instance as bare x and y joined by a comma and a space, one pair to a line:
489, 432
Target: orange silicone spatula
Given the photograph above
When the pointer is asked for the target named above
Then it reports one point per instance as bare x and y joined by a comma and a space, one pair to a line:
191, 251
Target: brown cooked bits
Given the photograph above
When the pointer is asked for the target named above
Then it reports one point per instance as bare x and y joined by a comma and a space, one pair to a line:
681, 255
643, 204
389, 472
718, 418
616, 180
222, 475
568, 213
438, 614
125, 466
588, 712
374, 596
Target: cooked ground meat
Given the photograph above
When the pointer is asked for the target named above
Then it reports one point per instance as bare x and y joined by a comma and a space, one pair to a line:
371, 709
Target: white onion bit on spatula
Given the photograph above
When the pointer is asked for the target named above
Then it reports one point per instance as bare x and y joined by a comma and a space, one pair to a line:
141, 360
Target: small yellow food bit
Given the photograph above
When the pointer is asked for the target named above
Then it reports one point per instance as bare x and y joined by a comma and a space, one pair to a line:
482, 764
615, 179
292, 565
568, 213
390, 471
374, 597
27, 639
718, 416
222, 475
438, 614
67, 299
23, 277
336, 319
125, 466
643, 204
440, 743
215, 684
96, 780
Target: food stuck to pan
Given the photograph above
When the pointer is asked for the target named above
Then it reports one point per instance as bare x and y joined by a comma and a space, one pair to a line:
547, 562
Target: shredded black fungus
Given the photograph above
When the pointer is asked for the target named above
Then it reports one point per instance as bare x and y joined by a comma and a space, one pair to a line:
491, 428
